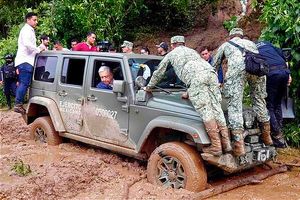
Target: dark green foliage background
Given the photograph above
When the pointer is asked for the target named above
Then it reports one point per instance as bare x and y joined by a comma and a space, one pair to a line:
282, 27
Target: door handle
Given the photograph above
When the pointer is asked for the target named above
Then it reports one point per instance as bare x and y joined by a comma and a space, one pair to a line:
80, 100
62, 93
91, 98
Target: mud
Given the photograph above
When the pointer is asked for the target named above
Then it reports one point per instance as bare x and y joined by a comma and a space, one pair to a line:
78, 171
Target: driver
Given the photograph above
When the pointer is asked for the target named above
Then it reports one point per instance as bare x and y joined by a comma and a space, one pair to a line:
106, 77
203, 90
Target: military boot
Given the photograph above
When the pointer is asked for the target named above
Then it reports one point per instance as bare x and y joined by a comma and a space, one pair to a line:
238, 145
278, 140
266, 133
225, 139
212, 129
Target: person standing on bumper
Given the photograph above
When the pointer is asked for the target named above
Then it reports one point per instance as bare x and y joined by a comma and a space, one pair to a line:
203, 90
277, 81
27, 50
233, 89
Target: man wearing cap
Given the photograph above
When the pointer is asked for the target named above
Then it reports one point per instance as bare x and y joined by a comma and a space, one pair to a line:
127, 47
162, 48
203, 90
233, 89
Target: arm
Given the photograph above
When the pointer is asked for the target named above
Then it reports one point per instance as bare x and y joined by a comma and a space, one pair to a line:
218, 57
159, 73
1, 75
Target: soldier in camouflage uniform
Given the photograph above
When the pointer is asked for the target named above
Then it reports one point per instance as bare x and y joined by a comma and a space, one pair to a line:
203, 90
234, 86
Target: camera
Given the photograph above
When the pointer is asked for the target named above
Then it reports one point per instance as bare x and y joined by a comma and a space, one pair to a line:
104, 45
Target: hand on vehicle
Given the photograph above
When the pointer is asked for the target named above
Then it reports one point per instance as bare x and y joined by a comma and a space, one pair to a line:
290, 80
147, 89
185, 95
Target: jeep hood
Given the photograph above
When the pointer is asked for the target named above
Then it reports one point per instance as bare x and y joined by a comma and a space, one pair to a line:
172, 102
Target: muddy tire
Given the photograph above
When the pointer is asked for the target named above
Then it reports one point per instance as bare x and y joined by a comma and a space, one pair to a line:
43, 130
177, 165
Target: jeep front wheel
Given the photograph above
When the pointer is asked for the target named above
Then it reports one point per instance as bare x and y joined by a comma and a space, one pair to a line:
43, 130
177, 165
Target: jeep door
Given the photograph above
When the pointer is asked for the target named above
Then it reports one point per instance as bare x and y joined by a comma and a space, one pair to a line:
70, 92
105, 115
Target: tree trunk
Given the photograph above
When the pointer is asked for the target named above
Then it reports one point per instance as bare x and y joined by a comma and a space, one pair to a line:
253, 179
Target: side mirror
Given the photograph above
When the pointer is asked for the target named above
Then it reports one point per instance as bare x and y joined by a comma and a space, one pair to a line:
140, 81
119, 86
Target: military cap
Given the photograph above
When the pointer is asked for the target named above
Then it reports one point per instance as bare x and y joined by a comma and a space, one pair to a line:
177, 39
127, 44
237, 31
163, 45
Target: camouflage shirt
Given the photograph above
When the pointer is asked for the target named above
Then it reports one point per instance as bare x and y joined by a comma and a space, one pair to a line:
234, 56
179, 58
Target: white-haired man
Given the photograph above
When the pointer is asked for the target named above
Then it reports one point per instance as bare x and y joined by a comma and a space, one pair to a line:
106, 77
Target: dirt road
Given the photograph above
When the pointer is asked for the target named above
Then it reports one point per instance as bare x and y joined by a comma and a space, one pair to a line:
78, 171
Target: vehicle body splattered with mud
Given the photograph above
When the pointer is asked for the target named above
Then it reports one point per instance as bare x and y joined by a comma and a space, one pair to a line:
160, 127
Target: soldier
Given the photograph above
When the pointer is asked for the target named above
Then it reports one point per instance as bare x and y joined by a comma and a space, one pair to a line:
127, 47
203, 90
8, 76
233, 88
277, 81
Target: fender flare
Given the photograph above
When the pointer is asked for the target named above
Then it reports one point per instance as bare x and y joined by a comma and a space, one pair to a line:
52, 109
188, 126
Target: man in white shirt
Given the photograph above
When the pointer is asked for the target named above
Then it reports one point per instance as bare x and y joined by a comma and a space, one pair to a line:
58, 46
27, 50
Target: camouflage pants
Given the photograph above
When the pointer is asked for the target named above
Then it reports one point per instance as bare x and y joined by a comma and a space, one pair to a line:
258, 95
205, 95
233, 91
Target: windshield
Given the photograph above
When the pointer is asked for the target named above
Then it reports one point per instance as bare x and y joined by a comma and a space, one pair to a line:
145, 67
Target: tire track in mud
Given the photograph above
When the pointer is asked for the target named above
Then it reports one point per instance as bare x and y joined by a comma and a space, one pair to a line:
70, 171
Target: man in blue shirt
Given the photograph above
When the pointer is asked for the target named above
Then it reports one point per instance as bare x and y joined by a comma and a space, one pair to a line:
206, 55
277, 81
106, 77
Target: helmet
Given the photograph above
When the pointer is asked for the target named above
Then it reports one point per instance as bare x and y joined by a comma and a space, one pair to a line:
9, 57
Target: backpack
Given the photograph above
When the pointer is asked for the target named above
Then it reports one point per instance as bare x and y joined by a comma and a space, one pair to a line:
9, 71
255, 63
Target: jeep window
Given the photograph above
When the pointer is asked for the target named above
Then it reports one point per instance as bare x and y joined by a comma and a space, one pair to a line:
115, 68
45, 68
140, 67
73, 71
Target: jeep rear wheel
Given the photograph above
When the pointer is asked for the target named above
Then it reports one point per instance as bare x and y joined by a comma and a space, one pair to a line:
177, 165
43, 130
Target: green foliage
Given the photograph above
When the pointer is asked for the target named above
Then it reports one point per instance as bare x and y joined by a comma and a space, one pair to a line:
282, 28
20, 168
9, 44
2, 97
231, 23
292, 135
